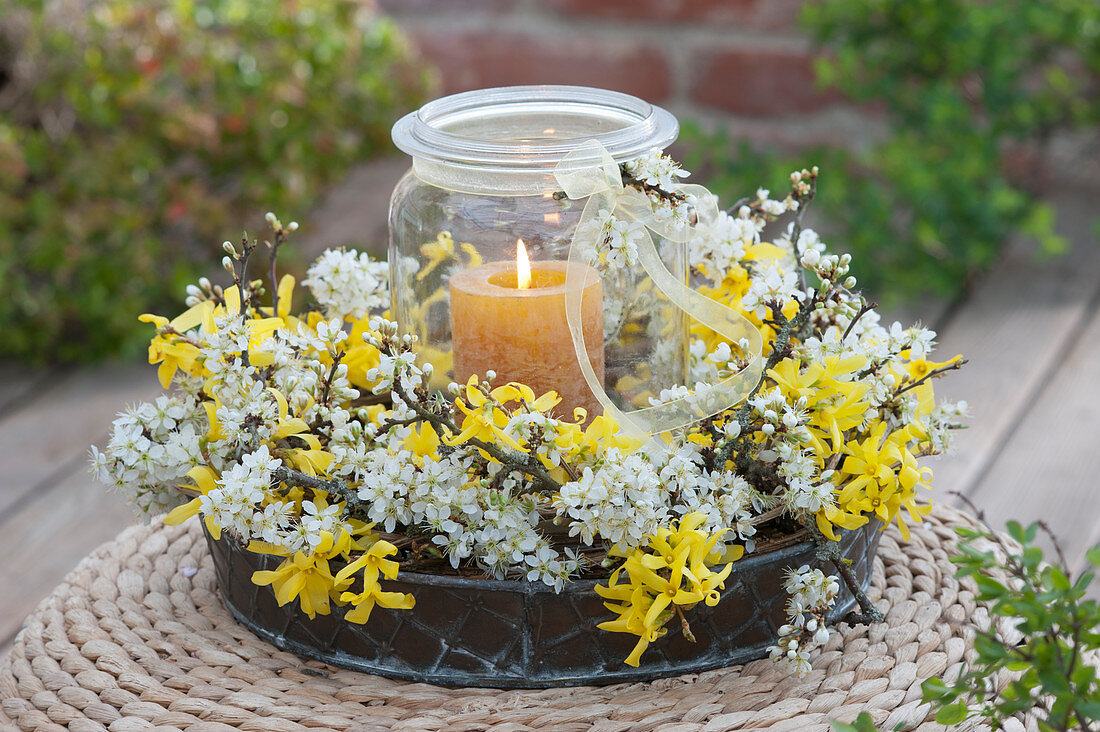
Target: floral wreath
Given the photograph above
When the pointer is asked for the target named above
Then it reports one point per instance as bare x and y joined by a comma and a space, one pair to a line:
316, 437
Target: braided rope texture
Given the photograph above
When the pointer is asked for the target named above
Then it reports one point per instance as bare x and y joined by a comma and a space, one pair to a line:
137, 638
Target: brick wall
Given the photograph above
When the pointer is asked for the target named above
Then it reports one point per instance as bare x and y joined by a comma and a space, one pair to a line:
742, 64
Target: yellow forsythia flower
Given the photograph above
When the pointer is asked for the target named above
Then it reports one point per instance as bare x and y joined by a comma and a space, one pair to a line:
673, 569
306, 576
373, 562
878, 476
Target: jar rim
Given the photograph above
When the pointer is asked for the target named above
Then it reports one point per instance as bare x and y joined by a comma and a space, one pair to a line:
634, 126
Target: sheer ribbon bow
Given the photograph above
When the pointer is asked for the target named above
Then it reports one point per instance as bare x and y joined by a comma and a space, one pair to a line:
590, 172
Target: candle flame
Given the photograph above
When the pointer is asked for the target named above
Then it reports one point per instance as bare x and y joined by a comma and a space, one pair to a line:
523, 267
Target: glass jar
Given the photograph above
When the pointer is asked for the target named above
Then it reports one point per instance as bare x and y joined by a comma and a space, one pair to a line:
482, 181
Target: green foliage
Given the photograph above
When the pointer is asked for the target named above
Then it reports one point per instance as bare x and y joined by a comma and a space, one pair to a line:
958, 80
134, 132
1059, 627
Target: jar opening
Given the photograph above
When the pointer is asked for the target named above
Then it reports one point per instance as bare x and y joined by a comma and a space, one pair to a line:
521, 130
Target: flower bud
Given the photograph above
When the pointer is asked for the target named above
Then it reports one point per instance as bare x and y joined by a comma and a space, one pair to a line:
227, 247
227, 264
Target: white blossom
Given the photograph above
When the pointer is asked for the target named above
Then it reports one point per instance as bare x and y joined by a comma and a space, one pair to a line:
623, 501
349, 283
656, 169
151, 448
770, 287
812, 593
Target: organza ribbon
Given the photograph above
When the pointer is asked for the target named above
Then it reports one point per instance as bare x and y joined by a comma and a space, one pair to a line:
590, 172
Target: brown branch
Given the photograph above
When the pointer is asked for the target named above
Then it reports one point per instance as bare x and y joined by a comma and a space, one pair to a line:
280, 237
370, 399
930, 375
524, 463
766, 516
685, 628
780, 350
169, 330
327, 386
796, 229
864, 308
392, 423
336, 486
240, 278
732, 210
830, 550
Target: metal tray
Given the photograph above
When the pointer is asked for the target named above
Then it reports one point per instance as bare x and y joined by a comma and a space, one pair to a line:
517, 634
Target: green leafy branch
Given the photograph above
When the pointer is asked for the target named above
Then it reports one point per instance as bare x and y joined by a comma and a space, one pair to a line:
1052, 662
1058, 624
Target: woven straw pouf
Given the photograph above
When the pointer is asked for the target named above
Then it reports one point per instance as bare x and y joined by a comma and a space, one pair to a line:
137, 638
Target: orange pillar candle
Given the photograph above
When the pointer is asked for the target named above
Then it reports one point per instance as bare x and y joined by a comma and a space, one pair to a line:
512, 322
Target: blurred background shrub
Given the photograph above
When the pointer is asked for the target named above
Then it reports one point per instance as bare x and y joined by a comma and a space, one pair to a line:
136, 134
962, 83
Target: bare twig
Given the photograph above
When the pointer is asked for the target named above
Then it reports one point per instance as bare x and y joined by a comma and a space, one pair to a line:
930, 375
830, 550
336, 486
732, 210
327, 386
280, 237
240, 274
685, 627
780, 350
392, 423
804, 202
524, 463
864, 308
169, 330
767, 516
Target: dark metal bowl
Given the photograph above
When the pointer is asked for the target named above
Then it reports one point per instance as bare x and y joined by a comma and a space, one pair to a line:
515, 634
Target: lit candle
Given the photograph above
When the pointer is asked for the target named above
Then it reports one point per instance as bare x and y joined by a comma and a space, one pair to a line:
510, 317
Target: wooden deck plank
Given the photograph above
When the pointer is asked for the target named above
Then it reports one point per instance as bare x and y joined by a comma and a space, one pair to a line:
1013, 330
17, 384
43, 439
47, 537
1047, 469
